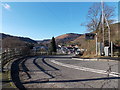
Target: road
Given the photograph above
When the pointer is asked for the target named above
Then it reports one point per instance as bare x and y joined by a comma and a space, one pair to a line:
65, 72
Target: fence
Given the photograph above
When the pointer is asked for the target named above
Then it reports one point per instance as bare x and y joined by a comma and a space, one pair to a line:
9, 54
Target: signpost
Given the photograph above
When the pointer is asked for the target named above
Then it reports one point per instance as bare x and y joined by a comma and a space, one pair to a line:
96, 46
90, 36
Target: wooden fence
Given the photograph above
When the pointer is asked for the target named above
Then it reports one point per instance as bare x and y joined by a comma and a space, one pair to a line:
10, 54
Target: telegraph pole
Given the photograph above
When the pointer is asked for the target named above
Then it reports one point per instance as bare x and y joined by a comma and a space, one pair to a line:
108, 30
102, 20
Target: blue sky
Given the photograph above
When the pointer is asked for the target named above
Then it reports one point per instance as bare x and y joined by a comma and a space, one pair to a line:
42, 20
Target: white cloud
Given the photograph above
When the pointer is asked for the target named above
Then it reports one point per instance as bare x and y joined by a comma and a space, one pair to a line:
6, 6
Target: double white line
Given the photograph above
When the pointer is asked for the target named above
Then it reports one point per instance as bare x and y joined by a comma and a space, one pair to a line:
115, 74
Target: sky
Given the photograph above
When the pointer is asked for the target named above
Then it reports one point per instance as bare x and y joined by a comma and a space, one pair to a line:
43, 20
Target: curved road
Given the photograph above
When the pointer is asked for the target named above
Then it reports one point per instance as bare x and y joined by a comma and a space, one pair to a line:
64, 72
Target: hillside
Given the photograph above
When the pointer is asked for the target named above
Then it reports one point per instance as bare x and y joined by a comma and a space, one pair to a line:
25, 39
9, 41
62, 39
43, 42
115, 32
66, 38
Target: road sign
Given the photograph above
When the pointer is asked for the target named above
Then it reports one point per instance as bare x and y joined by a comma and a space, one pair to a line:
90, 36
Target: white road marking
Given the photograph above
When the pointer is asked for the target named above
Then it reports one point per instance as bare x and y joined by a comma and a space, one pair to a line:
93, 59
86, 69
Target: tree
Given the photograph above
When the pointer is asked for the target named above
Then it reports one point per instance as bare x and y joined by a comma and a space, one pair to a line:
95, 13
53, 45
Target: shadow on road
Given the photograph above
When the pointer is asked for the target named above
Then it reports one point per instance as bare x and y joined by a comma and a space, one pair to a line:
49, 64
15, 74
42, 69
78, 80
25, 69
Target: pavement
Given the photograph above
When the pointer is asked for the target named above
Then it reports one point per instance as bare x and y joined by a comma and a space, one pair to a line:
65, 72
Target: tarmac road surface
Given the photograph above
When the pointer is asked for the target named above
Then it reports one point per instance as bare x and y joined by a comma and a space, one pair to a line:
65, 72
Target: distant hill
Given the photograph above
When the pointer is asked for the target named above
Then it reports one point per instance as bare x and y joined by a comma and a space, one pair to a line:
25, 39
62, 39
45, 41
65, 38
9, 41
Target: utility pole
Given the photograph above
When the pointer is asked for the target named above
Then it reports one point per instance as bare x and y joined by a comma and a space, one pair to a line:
102, 20
105, 19
108, 30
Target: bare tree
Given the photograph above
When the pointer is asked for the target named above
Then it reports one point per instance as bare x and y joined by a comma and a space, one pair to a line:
95, 13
